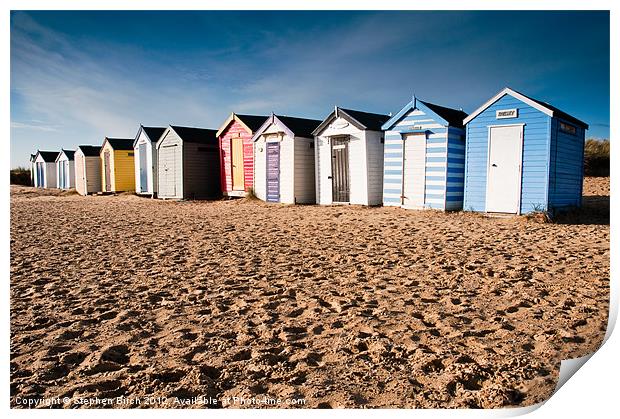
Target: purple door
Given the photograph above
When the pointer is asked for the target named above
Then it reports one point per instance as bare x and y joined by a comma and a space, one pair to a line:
273, 172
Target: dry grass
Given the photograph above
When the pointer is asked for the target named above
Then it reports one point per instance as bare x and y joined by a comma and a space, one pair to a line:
596, 158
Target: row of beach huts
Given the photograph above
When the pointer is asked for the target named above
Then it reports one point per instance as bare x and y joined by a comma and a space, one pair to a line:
514, 155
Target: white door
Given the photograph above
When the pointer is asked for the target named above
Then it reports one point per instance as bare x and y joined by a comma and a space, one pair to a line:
167, 173
414, 170
61, 168
504, 171
65, 175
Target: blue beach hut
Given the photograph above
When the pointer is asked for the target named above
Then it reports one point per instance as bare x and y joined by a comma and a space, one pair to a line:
522, 155
424, 157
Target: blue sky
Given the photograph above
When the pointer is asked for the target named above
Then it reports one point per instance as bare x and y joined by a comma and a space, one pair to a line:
77, 77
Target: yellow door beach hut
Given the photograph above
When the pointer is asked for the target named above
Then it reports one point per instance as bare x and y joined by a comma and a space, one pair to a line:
117, 165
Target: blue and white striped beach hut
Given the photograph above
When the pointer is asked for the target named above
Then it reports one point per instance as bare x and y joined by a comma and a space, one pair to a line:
424, 157
523, 155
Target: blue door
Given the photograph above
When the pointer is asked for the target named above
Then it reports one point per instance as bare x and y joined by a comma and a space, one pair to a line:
273, 172
144, 187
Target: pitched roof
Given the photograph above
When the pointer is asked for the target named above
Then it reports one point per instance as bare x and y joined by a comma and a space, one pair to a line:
196, 135
251, 122
301, 127
445, 116
362, 120
454, 117
68, 153
561, 114
90, 150
154, 132
48, 156
372, 121
538, 104
120, 143
292, 126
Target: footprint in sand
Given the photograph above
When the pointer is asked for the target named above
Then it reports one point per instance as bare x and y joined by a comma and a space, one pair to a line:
168, 376
242, 355
73, 358
108, 315
70, 334
54, 372
296, 312
112, 358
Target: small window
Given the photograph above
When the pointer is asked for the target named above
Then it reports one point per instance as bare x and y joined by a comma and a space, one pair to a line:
567, 128
311, 145
130, 154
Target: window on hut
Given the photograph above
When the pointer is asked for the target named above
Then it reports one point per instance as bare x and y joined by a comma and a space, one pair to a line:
567, 128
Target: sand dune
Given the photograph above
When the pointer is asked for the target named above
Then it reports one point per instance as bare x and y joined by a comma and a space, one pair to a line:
341, 306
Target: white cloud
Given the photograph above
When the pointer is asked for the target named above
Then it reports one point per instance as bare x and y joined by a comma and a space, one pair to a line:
33, 125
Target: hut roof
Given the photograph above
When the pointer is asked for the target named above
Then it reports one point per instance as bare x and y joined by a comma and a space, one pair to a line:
120, 143
446, 116
294, 127
362, 120
371, 121
196, 135
454, 117
90, 150
48, 156
301, 127
69, 153
535, 103
154, 132
251, 122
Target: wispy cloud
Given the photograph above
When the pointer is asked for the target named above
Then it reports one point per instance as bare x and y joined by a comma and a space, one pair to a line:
33, 125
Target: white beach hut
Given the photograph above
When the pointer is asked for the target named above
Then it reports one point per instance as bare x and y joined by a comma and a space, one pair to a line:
349, 158
284, 160
145, 159
87, 169
188, 164
45, 169
65, 169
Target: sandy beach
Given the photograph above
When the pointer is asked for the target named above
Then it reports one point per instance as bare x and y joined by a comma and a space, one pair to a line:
318, 306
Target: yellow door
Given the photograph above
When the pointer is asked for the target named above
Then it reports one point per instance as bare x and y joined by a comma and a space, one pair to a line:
237, 164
